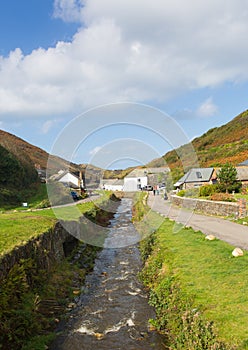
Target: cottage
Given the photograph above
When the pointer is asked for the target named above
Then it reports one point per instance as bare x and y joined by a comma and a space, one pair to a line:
112, 184
135, 180
197, 177
69, 179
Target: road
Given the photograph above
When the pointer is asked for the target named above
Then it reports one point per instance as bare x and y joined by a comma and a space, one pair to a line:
91, 198
230, 232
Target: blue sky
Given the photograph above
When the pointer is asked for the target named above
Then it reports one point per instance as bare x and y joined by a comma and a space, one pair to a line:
62, 58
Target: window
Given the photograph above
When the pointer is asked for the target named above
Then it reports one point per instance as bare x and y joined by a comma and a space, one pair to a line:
198, 175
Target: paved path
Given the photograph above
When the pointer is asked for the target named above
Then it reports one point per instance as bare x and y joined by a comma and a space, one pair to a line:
230, 232
91, 198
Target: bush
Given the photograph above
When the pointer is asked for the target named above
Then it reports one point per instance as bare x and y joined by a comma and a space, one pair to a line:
9, 197
223, 197
191, 192
43, 204
181, 193
207, 190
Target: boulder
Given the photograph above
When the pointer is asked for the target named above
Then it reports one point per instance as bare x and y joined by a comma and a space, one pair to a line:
210, 237
237, 252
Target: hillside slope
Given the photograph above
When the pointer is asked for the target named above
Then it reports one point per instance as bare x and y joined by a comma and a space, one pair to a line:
16, 175
22, 149
227, 143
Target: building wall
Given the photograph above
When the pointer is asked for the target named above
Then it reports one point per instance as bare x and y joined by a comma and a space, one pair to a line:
134, 183
195, 184
70, 178
113, 187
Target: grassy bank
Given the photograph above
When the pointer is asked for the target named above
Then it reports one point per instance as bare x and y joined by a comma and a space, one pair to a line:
30, 309
198, 289
17, 227
33, 301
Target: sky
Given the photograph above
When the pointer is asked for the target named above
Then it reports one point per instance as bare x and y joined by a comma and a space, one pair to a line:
67, 63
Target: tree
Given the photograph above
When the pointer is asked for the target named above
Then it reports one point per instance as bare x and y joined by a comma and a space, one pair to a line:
228, 181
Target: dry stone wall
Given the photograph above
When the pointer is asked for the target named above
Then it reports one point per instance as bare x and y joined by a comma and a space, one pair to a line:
211, 207
46, 249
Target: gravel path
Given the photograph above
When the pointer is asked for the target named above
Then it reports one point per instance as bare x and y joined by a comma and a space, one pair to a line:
230, 232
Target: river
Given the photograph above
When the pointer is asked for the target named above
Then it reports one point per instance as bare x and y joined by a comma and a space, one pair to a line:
113, 311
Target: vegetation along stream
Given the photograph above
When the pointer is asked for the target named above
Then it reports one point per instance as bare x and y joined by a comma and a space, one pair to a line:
113, 310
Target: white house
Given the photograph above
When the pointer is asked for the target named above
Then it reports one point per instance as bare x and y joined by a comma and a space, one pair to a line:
112, 184
135, 180
69, 179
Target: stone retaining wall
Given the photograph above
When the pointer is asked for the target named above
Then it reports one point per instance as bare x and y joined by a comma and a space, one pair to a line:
46, 249
210, 207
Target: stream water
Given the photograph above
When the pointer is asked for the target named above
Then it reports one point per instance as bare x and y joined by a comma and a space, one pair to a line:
113, 310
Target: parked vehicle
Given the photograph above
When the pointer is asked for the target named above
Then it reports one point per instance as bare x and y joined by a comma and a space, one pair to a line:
74, 195
147, 188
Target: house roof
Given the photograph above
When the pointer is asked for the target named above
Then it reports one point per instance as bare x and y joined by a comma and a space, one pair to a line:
242, 173
244, 163
61, 174
112, 182
196, 175
137, 173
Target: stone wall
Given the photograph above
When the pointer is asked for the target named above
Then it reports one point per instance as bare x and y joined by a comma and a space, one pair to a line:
210, 207
46, 249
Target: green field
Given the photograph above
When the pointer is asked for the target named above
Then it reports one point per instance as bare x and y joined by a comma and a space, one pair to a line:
199, 290
210, 280
18, 227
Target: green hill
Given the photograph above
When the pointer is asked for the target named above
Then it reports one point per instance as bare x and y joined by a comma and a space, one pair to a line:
16, 175
38, 157
227, 143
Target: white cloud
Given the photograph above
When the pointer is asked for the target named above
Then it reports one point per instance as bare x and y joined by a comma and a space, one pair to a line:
126, 50
68, 10
207, 108
95, 150
48, 125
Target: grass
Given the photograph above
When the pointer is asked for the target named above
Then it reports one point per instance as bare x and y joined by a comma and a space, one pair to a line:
17, 227
206, 272
189, 275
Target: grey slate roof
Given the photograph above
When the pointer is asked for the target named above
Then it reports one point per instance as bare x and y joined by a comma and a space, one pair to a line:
112, 182
242, 173
137, 173
245, 163
196, 175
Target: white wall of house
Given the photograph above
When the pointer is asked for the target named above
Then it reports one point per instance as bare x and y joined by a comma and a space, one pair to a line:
69, 178
132, 184
113, 187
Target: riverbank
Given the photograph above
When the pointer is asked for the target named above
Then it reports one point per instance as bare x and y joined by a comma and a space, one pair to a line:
35, 295
198, 288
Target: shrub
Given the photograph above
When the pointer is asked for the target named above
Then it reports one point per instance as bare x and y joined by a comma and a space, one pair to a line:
224, 197
43, 204
191, 192
181, 193
207, 190
9, 196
